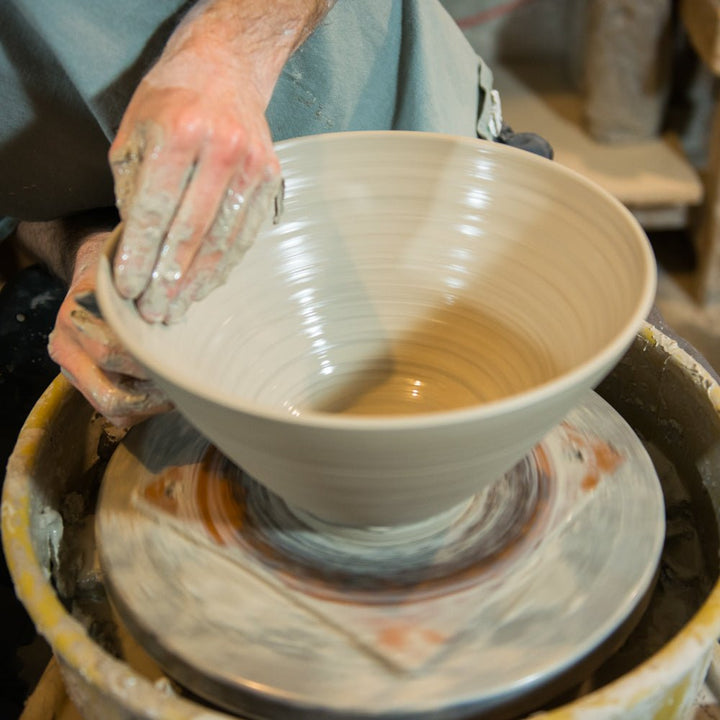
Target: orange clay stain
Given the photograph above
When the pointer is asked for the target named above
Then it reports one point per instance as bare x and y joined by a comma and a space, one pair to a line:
542, 462
165, 494
601, 457
433, 636
399, 636
222, 489
161, 492
209, 485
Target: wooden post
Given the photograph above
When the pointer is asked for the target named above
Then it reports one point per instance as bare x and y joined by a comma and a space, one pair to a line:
701, 19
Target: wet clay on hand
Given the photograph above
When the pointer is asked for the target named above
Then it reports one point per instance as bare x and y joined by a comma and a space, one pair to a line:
194, 165
91, 356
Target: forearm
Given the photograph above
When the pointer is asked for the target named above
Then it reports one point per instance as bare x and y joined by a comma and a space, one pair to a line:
55, 243
254, 36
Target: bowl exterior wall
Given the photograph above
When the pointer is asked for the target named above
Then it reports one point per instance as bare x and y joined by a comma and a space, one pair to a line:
402, 257
381, 475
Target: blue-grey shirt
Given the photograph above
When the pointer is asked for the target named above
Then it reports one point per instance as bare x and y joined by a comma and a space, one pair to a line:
68, 69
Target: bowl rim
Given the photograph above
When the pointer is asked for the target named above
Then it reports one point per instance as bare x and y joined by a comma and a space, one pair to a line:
601, 363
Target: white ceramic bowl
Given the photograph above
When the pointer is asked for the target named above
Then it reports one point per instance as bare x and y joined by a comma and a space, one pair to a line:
428, 307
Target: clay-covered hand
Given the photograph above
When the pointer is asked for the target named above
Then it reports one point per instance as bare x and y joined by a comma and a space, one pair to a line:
90, 355
193, 161
195, 175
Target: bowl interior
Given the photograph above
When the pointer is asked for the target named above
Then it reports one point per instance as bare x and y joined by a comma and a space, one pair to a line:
410, 273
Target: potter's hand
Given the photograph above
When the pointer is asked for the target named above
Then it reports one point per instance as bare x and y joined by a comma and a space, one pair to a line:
90, 355
194, 166
195, 175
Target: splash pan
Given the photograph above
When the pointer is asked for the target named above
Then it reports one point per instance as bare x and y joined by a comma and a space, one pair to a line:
485, 608
670, 400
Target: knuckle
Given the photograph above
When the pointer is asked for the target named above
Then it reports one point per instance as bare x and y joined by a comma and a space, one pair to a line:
54, 348
273, 173
256, 160
189, 127
230, 143
61, 341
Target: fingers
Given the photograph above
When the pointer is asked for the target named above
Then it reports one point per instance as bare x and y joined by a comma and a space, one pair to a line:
96, 339
186, 173
219, 218
95, 362
160, 187
121, 400
202, 201
232, 233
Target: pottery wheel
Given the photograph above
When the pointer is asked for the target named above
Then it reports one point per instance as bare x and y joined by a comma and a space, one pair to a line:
490, 608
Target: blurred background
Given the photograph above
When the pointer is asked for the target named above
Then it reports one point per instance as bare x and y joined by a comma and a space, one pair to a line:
624, 90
